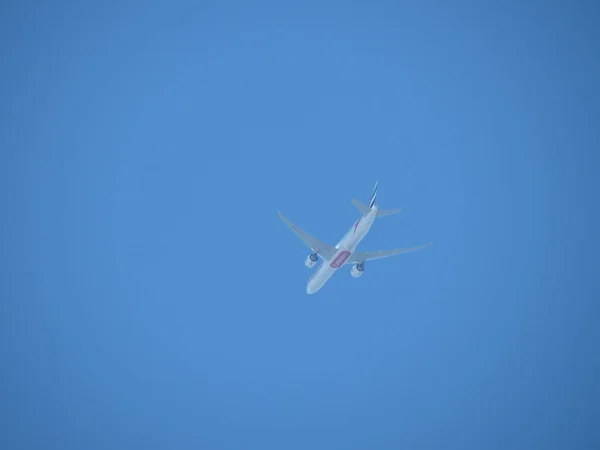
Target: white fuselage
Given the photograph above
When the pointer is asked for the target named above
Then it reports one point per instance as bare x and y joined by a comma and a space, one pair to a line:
345, 248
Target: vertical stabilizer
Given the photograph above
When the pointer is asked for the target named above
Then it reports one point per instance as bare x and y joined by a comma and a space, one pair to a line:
373, 196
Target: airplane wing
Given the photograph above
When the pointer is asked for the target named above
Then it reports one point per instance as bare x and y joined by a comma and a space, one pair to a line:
325, 250
359, 257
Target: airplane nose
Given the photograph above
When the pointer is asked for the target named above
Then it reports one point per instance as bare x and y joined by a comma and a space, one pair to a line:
310, 289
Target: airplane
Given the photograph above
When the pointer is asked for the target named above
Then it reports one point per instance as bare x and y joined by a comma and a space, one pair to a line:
333, 258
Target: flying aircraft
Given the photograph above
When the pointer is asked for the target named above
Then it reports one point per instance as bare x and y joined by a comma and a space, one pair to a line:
344, 252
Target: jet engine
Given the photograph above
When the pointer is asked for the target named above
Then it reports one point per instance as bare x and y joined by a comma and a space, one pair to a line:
357, 270
311, 260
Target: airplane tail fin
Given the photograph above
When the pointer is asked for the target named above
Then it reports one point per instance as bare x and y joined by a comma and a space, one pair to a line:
373, 196
364, 209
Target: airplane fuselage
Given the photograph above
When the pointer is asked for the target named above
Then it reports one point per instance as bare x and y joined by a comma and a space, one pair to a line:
345, 248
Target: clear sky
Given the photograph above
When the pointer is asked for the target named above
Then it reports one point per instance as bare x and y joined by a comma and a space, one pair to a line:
151, 297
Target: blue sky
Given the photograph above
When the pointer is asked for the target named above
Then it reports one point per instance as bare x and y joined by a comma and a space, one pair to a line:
151, 298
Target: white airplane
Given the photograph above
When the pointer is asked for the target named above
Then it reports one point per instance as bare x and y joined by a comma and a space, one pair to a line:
344, 252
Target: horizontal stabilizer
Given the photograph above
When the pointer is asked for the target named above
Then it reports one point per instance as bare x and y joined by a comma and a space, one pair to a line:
364, 209
388, 212
361, 206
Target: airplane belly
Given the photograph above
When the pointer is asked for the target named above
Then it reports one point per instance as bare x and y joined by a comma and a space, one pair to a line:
319, 279
326, 270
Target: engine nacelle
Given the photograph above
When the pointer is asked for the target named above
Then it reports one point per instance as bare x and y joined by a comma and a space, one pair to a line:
357, 270
311, 260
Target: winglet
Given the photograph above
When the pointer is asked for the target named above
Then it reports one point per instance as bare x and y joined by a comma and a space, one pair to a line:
285, 219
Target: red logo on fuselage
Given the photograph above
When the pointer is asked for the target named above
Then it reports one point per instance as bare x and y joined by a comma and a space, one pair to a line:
340, 259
